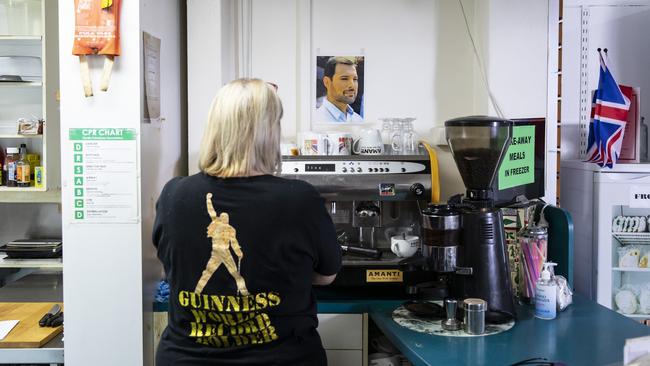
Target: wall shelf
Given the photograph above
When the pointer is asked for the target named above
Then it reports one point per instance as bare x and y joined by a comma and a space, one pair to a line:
29, 195
6, 136
21, 84
21, 38
53, 263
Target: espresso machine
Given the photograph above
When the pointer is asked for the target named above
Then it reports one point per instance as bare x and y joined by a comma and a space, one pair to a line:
478, 145
370, 199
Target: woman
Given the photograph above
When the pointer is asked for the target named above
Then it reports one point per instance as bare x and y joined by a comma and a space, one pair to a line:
242, 247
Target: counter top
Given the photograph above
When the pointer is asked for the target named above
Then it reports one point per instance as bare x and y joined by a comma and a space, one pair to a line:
584, 334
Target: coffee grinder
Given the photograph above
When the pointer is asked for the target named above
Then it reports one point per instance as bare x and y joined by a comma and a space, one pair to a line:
478, 145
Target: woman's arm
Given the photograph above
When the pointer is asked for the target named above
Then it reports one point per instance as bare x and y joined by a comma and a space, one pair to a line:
322, 280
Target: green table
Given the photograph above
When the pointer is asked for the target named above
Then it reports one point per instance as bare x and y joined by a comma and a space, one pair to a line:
584, 334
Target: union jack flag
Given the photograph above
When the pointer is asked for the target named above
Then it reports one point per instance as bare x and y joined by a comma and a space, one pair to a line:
610, 105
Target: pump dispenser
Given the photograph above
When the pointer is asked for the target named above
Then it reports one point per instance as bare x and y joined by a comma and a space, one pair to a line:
545, 294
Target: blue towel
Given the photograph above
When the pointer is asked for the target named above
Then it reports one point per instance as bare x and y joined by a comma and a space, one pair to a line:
162, 293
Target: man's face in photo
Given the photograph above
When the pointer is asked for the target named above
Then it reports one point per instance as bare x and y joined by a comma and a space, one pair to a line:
344, 84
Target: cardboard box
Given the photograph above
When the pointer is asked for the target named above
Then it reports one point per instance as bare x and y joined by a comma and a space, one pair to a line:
632, 139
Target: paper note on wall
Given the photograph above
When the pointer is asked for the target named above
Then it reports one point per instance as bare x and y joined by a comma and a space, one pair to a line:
518, 166
104, 175
151, 47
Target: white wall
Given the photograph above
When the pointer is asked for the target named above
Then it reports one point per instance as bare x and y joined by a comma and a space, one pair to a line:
419, 59
212, 61
109, 269
518, 56
163, 144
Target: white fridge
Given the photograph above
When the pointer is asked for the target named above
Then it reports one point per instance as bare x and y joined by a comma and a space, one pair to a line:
595, 197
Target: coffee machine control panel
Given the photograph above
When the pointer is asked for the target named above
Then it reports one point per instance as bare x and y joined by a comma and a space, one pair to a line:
343, 167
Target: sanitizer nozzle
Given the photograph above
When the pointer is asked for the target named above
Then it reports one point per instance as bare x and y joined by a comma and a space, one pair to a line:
546, 273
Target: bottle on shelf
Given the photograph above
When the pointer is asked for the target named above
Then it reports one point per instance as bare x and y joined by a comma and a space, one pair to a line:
9, 167
23, 178
34, 160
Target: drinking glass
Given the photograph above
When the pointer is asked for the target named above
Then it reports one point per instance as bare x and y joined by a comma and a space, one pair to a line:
386, 131
396, 137
409, 137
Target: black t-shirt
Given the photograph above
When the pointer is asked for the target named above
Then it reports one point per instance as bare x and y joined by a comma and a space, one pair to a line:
239, 255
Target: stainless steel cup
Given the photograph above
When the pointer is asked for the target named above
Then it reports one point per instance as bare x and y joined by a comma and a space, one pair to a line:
474, 319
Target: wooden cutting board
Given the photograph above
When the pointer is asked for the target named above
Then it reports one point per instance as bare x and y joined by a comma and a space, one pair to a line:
27, 333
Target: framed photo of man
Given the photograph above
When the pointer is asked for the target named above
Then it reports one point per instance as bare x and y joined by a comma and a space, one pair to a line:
339, 90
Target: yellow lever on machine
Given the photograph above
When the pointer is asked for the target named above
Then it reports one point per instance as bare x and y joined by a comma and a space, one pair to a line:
435, 176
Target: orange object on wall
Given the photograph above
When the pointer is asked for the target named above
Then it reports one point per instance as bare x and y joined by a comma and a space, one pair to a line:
96, 32
97, 24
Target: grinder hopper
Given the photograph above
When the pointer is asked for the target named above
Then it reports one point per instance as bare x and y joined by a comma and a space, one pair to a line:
478, 145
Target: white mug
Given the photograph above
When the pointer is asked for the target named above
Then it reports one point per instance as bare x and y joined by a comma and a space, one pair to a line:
404, 245
368, 143
341, 143
312, 143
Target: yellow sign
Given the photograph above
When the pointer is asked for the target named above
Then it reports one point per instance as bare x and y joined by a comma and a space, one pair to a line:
384, 275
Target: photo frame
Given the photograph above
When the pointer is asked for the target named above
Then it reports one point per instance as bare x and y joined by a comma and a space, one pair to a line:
338, 89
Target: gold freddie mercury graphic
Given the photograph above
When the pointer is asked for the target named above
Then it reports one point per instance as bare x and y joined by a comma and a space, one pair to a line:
224, 237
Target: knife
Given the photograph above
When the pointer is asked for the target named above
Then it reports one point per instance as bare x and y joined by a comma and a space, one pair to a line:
54, 311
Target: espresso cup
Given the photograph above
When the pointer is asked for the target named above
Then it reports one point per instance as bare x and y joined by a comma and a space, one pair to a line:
368, 143
404, 245
313, 143
341, 143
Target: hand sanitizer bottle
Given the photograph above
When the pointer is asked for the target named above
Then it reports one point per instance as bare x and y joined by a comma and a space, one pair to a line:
545, 294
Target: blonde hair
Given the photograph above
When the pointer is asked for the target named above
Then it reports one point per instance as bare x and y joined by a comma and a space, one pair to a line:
242, 136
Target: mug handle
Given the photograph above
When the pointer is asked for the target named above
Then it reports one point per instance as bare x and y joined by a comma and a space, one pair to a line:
329, 145
355, 145
395, 249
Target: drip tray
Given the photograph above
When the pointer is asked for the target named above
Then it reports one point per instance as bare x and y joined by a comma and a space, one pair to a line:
387, 259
